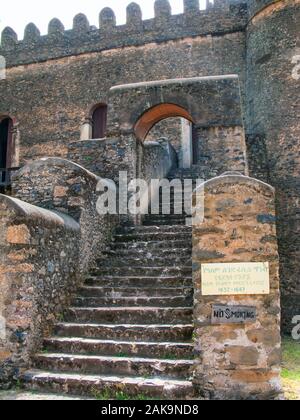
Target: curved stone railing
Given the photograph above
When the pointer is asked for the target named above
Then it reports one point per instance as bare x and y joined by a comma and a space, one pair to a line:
39, 253
61, 185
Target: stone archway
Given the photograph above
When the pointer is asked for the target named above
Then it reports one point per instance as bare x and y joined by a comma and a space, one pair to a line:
208, 101
176, 123
157, 114
213, 104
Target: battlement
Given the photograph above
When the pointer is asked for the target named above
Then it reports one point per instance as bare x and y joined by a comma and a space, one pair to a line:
224, 16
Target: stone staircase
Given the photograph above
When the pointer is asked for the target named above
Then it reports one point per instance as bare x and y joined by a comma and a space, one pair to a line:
129, 330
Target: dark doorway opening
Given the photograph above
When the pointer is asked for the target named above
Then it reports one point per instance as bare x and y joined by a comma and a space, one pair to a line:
5, 143
99, 119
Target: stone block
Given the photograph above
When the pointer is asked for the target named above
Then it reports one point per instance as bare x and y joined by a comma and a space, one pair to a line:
18, 235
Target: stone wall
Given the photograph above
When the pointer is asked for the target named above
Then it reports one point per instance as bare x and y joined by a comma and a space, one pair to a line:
170, 129
272, 112
65, 77
223, 18
63, 186
258, 158
237, 361
221, 149
157, 160
105, 157
39, 253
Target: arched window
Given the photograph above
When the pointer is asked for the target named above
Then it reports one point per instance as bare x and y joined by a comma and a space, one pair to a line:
99, 122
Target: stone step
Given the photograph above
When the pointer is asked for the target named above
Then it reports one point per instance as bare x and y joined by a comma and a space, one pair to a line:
174, 210
90, 347
152, 236
127, 332
154, 229
162, 222
149, 245
169, 217
183, 176
144, 271
140, 281
108, 365
96, 386
147, 261
178, 212
144, 252
133, 301
119, 292
129, 315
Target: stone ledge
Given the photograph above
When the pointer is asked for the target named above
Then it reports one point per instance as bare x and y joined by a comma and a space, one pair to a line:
40, 215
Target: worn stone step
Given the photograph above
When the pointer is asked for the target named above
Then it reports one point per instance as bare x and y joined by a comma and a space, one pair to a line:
183, 176
119, 292
178, 209
169, 217
127, 332
175, 244
96, 386
144, 252
149, 350
148, 261
153, 229
129, 315
162, 222
152, 236
140, 281
165, 217
145, 271
108, 365
133, 301
172, 211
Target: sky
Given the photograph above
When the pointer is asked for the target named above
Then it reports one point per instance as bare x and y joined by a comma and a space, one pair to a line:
18, 13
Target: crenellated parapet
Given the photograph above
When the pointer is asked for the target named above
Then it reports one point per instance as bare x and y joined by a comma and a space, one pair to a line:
220, 17
107, 19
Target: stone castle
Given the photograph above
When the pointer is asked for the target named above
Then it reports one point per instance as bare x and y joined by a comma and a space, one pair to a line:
106, 304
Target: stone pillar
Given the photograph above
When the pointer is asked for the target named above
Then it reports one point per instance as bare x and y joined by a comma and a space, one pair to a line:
86, 130
239, 357
187, 143
15, 146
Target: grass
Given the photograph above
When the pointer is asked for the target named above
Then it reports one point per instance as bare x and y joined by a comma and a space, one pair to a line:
291, 369
117, 396
122, 355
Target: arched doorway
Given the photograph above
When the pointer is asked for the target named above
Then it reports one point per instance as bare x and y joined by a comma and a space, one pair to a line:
173, 123
99, 121
6, 126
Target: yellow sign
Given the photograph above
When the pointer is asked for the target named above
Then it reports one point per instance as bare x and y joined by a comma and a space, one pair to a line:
235, 279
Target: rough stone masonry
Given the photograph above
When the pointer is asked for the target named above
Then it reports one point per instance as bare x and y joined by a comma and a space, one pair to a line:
48, 222
258, 40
